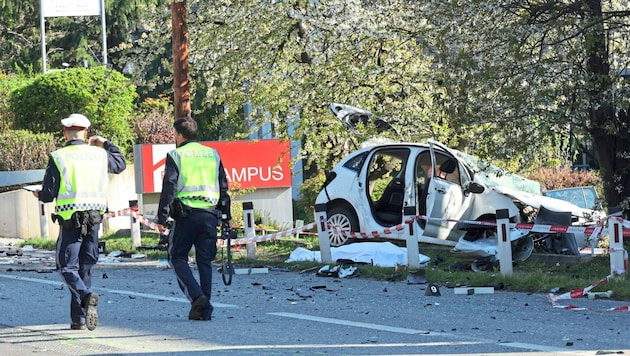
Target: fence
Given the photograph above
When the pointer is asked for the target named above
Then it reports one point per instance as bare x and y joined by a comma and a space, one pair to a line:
615, 225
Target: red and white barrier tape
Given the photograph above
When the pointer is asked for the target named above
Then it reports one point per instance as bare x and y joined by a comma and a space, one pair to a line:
576, 293
147, 222
274, 236
579, 293
592, 231
371, 234
134, 213
400, 227
241, 241
624, 223
572, 307
470, 222
526, 226
123, 212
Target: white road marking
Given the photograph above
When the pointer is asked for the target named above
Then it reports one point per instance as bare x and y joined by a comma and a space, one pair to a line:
517, 345
358, 324
472, 340
117, 291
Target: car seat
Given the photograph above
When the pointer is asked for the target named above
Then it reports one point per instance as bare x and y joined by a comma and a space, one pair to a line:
447, 167
389, 208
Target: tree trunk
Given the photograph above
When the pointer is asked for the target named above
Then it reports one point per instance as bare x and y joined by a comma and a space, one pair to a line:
181, 83
607, 129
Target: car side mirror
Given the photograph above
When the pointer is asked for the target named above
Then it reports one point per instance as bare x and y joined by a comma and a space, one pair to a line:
474, 187
329, 178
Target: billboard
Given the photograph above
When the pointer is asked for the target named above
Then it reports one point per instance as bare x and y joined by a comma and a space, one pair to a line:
248, 164
57, 8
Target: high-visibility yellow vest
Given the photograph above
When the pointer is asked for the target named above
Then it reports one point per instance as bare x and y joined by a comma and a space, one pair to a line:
83, 179
198, 182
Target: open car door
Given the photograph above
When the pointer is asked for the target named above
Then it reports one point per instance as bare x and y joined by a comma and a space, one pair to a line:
445, 199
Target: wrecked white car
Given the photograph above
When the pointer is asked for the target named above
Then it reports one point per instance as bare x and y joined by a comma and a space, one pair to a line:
385, 185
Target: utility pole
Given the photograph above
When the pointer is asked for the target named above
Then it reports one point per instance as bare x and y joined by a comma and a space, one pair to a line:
181, 81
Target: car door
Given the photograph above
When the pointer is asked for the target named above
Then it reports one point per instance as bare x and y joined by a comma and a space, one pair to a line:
385, 185
445, 199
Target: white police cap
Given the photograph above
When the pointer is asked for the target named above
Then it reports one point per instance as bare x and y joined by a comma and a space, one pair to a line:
76, 120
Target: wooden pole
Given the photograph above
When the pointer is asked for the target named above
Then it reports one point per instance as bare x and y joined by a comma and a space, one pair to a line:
181, 83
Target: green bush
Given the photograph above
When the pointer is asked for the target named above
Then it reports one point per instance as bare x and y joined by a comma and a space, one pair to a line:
105, 96
9, 83
24, 150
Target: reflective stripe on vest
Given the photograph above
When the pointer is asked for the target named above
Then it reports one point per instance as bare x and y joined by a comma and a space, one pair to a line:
84, 179
198, 181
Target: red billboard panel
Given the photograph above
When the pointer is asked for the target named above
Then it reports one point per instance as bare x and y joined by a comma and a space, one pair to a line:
248, 164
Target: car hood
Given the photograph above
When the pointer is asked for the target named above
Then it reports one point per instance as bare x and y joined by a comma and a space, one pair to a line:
536, 201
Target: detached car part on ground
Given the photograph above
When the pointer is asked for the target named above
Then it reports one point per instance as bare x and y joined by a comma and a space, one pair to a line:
374, 187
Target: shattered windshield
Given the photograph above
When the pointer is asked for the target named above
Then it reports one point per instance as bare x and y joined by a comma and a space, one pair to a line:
493, 176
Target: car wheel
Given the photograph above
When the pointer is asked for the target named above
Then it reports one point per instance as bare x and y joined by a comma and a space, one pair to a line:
341, 218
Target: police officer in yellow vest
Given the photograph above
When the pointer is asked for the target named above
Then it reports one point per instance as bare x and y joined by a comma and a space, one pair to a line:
77, 178
195, 194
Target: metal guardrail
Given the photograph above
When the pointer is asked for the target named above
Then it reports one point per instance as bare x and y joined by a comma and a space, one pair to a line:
9, 178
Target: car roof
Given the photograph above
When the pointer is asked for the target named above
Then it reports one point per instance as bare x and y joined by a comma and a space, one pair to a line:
490, 175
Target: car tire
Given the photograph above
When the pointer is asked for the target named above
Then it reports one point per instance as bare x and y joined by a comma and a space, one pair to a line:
343, 219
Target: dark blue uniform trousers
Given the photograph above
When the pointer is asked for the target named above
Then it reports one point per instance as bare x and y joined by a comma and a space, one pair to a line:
76, 255
199, 229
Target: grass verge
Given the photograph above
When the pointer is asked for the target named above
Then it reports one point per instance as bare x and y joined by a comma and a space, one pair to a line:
535, 275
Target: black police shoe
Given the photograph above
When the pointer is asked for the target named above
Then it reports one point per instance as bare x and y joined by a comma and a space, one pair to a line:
197, 308
77, 326
91, 316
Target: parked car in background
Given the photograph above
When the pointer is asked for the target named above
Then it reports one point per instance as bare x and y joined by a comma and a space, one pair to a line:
584, 197
383, 185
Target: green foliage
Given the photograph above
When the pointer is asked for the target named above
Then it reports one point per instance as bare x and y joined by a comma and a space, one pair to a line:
155, 124
24, 150
103, 95
122, 242
147, 57
303, 208
511, 83
215, 124
9, 83
20, 45
275, 252
41, 243
71, 40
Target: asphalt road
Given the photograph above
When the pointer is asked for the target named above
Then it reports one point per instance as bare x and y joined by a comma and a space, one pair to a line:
143, 312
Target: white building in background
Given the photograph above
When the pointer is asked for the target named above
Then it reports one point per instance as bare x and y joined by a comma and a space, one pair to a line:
267, 132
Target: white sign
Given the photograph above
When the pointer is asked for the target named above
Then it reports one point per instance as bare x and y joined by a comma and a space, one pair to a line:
55, 8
